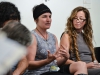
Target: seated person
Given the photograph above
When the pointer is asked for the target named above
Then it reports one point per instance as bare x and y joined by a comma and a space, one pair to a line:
44, 56
8, 11
18, 32
77, 39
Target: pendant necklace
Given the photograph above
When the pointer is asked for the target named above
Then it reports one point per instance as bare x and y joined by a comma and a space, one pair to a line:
45, 38
42, 34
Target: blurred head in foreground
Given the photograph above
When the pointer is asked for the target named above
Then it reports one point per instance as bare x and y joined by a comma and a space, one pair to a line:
8, 11
18, 32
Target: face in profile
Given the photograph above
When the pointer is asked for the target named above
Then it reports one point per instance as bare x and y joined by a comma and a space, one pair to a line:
79, 21
44, 20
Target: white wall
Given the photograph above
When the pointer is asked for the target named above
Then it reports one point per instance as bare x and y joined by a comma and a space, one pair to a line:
61, 10
95, 15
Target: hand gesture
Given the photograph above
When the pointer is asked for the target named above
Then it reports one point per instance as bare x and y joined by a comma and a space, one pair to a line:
64, 53
51, 57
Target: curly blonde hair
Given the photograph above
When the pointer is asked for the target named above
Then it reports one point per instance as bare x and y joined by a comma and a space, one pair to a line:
87, 32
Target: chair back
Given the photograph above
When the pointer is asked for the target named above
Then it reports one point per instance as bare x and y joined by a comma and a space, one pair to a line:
97, 53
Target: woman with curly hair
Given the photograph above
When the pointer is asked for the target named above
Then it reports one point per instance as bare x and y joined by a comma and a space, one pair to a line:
44, 56
77, 39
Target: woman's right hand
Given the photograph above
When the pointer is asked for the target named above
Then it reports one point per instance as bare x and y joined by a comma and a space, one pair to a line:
54, 56
51, 57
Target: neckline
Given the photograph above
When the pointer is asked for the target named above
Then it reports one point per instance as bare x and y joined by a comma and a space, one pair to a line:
41, 36
79, 33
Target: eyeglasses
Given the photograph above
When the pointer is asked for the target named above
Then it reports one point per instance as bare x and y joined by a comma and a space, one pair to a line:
79, 19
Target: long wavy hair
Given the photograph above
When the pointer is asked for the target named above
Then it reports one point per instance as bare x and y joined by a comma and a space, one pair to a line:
87, 32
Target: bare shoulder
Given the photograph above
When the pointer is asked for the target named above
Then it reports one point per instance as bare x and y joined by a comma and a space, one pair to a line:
65, 41
32, 49
34, 39
33, 44
65, 36
55, 36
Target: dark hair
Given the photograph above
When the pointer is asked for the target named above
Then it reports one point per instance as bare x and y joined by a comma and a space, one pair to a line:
39, 10
8, 11
18, 32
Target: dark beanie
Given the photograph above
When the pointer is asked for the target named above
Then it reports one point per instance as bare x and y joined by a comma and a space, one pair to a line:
39, 10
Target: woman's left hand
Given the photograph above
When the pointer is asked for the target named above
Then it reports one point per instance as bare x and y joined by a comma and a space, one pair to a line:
63, 53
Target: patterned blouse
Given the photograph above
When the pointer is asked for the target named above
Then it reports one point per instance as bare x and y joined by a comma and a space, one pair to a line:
42, 47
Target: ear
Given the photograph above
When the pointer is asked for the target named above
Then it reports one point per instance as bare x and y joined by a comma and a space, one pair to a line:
36, 20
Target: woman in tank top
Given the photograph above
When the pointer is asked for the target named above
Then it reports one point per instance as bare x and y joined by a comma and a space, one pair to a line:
44, 55
79, 43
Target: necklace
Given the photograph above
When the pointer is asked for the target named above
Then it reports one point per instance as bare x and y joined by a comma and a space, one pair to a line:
42, 34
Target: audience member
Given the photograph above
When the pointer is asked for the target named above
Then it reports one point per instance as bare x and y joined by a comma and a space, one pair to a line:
8, 11
77, 39
44, 56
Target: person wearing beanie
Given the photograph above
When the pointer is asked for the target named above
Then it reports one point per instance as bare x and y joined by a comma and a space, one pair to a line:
44, 56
